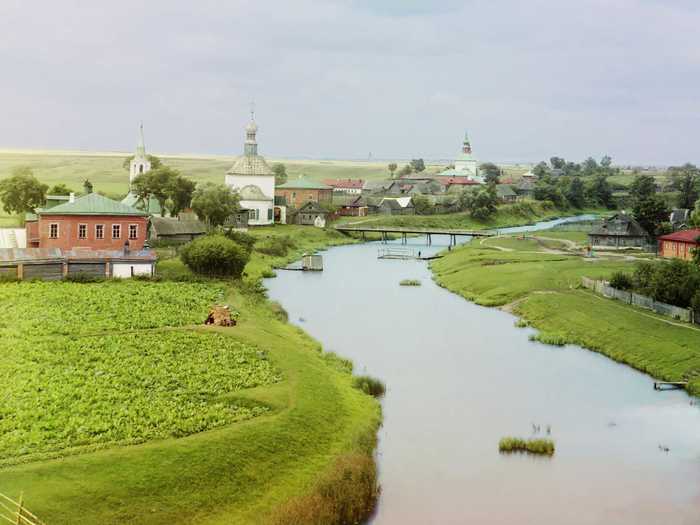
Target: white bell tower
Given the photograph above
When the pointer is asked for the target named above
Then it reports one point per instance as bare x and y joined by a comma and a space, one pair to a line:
140, 163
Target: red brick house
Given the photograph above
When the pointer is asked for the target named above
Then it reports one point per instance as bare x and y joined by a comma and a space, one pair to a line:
297, 192
680, 244
92, 221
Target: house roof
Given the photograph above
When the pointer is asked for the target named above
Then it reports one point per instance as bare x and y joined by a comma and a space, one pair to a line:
312, 207
135, 201
346, 184
29, 254
396, 203
93, 204
249, 166
504, 190
457, 181
376, 185
302, 183
620, 225
688, 236
83, 254
170, 226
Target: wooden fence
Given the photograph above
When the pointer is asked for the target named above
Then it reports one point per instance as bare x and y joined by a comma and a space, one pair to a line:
15, 512
603, 288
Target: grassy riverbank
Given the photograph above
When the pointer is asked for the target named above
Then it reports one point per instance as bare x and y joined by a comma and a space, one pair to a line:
543, 289
315, 429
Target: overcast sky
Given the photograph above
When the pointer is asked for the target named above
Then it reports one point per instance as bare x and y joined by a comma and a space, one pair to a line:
343, 78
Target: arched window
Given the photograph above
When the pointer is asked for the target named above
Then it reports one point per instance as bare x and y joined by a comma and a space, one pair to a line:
140, 168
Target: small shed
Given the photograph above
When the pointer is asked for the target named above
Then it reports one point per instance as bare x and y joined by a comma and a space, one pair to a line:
312, 262
176, 230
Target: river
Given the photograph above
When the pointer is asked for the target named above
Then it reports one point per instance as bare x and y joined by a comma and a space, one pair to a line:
460, 376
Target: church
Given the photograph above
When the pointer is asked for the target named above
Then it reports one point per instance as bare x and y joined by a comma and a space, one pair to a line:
254, 180
139, 165
465, 164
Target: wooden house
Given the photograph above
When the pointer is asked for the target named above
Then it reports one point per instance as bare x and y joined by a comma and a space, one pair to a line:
680, 244
176, 230
310, 214
618, 231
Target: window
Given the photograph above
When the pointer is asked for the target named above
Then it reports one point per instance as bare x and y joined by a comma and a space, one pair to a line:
269, 214
116, 231
133, 231
82, 231
253, 215
140, 168
99, 231
53, 230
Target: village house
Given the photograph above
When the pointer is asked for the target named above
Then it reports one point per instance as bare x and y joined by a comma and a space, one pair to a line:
396, 206
526, 187
618, 231
506, 194
176, 230
347, 186
299, 191
92, 221
310, 214
352, 206
680, 244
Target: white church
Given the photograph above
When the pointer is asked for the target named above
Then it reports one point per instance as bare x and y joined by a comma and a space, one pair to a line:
254, 180
139, 165
465, 164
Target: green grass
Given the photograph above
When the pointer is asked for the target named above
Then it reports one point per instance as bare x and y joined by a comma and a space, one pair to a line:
314, 425
544, 291
544, 447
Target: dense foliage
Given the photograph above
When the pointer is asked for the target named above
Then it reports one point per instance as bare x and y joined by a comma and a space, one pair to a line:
22, 192
215, 255
214, 203
172, 191
70, 392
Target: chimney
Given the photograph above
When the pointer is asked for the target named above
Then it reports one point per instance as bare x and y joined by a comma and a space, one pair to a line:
71, 197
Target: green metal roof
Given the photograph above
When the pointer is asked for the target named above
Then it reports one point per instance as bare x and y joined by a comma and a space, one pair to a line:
93, 204
135, 201
303, 184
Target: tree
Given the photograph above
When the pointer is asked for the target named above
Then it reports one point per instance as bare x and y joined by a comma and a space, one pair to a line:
589, 167
406, 170
575, 193
686, 181
280, 171
643, 187
600, 192
214, 203
155, 162
606, 162
392, 168
650, 213
422, 205
22, 192
557, 163
60, 189
695, 216
483, 204
547, 190
87, 187
541, 170
418, 165
491, 172
180, 193
215, 255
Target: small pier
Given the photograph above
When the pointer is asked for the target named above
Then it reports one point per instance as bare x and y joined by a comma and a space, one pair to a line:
396, 252
669, 385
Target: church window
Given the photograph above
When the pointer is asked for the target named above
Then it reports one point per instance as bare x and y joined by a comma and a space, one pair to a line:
133, 231
53, 230
82, 231
140, 168
116, 231
99, 231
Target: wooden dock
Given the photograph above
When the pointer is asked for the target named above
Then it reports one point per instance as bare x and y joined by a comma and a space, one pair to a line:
669, 385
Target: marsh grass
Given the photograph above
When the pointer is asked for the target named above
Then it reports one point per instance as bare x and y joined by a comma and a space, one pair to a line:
543, 447
369, 385
410, 282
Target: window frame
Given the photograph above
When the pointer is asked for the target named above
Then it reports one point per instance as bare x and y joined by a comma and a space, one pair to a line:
136, 232
84, 227
98, 236
119, 229
58, 230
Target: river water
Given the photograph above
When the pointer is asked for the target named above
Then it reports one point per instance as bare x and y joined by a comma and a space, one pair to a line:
460, 376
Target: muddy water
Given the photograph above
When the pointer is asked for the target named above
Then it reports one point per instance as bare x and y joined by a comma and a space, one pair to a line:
460, 376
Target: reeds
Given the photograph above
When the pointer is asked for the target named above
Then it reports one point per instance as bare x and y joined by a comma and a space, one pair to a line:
540, 446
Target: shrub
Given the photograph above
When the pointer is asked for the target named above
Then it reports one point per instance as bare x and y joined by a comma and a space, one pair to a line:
532, 446
242, 238
338, 362
215, 255
621, 281
346, 494
695, 303
279, 311
276, 246
369, 385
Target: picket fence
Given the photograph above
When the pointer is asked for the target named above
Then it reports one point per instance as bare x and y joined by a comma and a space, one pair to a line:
16, 513
604, 288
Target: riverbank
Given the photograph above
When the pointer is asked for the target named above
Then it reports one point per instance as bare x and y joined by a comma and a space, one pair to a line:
543, 288
317, 429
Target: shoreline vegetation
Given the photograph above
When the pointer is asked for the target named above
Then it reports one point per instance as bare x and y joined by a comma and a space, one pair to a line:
537, 277
538, 446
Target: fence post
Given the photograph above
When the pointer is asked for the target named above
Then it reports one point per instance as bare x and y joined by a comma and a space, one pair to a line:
19, 509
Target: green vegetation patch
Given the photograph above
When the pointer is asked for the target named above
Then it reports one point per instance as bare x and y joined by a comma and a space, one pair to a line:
33, 308
544, 447
62, 393
410, 282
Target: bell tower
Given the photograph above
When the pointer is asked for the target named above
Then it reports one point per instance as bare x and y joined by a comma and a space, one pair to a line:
140, 163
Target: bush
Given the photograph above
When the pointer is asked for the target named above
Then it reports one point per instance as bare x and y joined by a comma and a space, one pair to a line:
242, 238
369, 385
695, 303
621, 281
276, 246
215, 255
338, 362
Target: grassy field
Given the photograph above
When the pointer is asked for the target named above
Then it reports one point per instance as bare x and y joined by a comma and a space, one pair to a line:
275, 413
543, 289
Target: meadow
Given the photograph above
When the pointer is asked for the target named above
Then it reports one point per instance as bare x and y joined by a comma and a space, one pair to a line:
544, 290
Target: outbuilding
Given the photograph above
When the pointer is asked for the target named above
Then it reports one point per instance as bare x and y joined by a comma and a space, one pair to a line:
680, 244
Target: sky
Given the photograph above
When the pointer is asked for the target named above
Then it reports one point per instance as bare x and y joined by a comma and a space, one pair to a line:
346, 79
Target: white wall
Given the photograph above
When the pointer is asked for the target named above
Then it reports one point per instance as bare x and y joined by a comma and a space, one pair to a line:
262, 207
266, 183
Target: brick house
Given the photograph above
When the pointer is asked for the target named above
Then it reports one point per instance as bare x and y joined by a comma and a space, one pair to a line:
680, 244
91, 221
300, 191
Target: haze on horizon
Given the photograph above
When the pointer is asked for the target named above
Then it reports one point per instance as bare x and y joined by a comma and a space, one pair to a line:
342, 78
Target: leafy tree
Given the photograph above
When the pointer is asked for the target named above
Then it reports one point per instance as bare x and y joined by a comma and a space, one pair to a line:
155, 162
686, 181
621, 281
643, 187
491, 172
650, 213
557, 163
422, 205
695, 215
87, 187
180, 191
589, 167
22, 192
548, 190
541, 170
418, 165
483, 204
214, 203
215, 255
575, 193
172, 191
464, 200
280, 171
606, 162
60, 189
406, 170
600, 191
392, 169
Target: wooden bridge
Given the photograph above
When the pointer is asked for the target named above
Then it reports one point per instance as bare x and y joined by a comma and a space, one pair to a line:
405, 232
